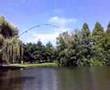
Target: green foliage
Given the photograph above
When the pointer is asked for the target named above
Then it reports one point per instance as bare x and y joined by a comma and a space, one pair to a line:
98, 29
7, 29
39, 53
98, 37
11, 50
87, 48
49, 52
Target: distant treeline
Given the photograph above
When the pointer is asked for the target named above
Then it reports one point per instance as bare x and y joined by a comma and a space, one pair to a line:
39, 53
82, 47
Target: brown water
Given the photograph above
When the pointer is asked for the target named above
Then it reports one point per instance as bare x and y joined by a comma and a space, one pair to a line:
56, 79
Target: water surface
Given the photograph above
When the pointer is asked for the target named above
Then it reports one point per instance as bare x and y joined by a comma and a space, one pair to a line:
56, 79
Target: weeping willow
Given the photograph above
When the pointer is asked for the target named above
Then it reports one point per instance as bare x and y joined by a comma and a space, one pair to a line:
11, 48
13, 51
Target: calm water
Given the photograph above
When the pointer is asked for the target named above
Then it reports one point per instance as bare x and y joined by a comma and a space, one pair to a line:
56, 79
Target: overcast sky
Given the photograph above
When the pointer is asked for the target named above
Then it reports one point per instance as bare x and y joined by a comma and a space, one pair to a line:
66, 14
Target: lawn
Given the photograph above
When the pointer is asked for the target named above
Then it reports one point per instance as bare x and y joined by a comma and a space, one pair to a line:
35, 65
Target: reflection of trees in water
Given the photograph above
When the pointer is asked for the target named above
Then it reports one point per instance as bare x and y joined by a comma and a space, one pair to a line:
10, 80
69, 79
49, 79
31, 79
44, 79
77, 79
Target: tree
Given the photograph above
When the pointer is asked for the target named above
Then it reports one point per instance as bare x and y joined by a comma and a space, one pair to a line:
10, 45
29, 49
106, 45
37, 52
6, 29
50, 52
40, 52
85, 31
98, 36
108, 28
86, 51
66, 50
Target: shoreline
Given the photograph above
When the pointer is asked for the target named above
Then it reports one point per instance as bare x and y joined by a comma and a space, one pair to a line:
33, 65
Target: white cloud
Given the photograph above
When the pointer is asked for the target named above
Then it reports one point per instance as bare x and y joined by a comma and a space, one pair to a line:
62, 23
46, 37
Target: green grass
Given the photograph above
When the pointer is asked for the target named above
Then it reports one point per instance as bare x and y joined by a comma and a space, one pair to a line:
35, 65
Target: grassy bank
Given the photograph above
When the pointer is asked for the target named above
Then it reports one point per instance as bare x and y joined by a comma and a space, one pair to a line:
35, 65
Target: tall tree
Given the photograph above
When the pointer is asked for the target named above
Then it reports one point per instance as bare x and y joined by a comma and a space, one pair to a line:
85, 45
107, 45
9, 41
98, 41
108, 28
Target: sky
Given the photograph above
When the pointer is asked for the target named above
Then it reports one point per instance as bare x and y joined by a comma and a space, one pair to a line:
68, 15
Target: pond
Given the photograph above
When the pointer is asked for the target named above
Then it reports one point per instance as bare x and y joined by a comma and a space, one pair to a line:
97, 78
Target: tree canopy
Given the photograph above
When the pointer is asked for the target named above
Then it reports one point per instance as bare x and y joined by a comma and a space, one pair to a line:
10, 44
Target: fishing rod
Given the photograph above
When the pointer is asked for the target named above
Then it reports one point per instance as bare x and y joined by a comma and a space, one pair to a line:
31, 28
37, 26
